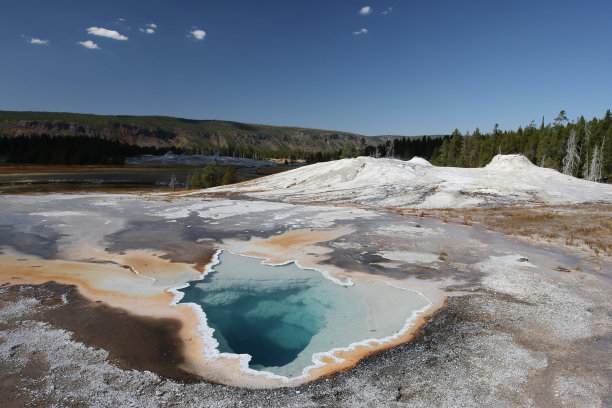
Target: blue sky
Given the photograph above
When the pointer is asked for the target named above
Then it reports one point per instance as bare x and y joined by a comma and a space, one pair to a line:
370, 67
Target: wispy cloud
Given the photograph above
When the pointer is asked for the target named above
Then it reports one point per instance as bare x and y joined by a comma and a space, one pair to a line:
149, 28
361, 32
388, 11
89, 44
34, 40
121, 22
197, 34
103, 32
365, 10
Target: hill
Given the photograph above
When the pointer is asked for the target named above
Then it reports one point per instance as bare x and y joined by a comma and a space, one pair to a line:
191, 136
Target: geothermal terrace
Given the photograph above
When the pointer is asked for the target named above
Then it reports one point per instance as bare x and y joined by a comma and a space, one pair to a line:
335, 284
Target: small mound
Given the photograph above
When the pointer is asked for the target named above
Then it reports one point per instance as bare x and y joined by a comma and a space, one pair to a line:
420, 161
510, 162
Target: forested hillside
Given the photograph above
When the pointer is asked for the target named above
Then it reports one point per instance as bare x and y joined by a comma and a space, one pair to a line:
545, 145
191, 136
581, 148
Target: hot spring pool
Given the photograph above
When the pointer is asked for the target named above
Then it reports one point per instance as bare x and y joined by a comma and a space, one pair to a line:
283, 315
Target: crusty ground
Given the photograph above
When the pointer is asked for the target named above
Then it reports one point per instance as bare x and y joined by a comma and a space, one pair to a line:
482, 349
516, 337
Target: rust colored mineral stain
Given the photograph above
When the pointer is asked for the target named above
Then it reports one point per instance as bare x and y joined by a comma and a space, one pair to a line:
121, 289
296, 245
115, 287
300, 238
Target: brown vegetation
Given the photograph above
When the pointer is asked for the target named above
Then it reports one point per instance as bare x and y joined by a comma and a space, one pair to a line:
578, 226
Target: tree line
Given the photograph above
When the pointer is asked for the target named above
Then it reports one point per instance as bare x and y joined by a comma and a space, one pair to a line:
404, 148
69, 150
579, 148
211, 175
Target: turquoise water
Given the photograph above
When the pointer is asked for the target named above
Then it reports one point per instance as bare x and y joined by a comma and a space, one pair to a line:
282, 315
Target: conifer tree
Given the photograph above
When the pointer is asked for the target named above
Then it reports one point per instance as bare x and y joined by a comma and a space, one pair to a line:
230, 176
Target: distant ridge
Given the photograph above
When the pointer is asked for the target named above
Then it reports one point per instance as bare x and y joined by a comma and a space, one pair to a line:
190, 135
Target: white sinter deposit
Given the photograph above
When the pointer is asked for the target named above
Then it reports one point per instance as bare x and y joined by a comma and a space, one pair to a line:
507, 180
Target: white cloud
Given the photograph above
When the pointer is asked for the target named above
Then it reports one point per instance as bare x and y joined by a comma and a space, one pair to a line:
37, 41
103, 32
365, 10
388, 11
197, 34
89, 44
121, 20
149, 28
360, 32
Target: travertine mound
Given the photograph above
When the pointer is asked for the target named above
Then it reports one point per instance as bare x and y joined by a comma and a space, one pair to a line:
511, 162
507, 180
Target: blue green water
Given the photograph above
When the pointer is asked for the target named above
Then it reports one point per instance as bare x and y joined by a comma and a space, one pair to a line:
282, 315
272, 326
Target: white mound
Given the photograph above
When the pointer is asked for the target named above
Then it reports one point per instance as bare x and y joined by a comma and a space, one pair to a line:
510, 162
419, 160
507, 180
